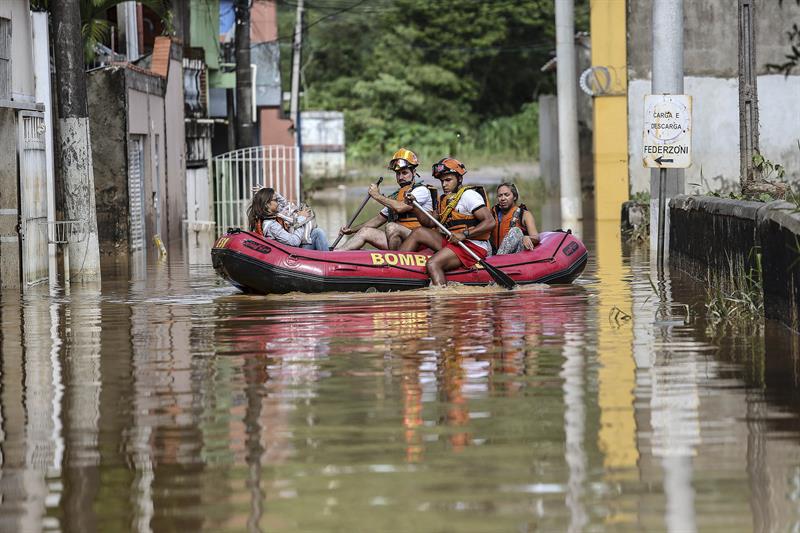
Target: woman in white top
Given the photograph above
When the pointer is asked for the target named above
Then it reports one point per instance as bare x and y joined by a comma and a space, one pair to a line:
465, 212
264, 216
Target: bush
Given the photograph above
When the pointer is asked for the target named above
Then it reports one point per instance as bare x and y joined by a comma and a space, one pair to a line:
369, 137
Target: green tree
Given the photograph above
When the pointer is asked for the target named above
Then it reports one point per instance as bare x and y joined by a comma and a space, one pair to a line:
433, 73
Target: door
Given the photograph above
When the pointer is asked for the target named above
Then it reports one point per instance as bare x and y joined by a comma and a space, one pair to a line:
136, 193
33, 198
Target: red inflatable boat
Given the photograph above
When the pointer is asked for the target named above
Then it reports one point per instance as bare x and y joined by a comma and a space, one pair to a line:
255, 264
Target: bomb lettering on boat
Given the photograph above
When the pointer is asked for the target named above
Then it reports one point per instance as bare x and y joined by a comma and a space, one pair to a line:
399, 259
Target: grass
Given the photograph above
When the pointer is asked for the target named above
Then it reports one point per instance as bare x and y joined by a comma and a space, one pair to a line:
736, 297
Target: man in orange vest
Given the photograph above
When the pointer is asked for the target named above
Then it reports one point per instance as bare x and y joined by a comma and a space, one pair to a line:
398, 216
462, 210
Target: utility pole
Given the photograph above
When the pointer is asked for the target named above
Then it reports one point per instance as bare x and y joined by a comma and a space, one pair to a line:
567, 87
76, 174
127, 15
297, 52
667, 71
748, 94
244, 75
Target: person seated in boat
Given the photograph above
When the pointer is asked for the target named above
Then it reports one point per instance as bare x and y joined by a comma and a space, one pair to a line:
398, 217
463, 210
516, 229
264, 216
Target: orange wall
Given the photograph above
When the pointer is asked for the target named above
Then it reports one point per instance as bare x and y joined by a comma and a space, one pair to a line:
263, 22
274, 129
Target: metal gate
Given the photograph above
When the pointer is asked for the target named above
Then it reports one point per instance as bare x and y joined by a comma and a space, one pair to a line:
136, 192
33, 198
237, 172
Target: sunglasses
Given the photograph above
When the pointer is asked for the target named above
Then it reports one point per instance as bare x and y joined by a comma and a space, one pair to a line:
442, 168
398, 164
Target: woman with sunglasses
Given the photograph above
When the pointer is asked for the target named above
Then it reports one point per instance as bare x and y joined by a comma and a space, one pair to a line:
516, 229
463, 210
264, 217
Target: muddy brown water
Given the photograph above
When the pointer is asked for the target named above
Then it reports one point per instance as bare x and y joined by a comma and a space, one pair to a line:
166, 400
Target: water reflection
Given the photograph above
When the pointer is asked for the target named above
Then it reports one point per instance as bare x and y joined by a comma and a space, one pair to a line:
169, 401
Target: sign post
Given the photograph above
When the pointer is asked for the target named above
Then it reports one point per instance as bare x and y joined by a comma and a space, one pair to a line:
667, 144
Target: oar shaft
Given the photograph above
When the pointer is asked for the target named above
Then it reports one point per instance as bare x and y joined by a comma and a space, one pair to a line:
447, 231
355, 216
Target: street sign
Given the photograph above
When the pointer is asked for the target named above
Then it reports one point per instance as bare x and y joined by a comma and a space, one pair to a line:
667, 131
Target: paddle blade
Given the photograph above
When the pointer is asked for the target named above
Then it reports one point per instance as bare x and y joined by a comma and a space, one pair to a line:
500, 277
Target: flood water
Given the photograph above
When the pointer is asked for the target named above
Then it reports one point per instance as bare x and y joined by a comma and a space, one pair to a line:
169, 401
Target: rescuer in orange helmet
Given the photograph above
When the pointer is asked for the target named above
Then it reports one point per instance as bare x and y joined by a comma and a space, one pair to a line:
464, 211
398, 216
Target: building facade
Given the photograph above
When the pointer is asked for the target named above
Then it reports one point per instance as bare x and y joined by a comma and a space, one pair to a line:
26, 168
711, 77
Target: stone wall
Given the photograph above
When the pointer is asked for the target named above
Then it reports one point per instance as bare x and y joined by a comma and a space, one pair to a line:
718, 235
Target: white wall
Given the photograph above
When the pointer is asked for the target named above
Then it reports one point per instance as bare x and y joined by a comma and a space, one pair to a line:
715, 135
18, 11
322, 135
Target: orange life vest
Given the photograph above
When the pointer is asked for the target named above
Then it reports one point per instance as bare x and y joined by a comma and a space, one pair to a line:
409, 219
455, 221
512, 219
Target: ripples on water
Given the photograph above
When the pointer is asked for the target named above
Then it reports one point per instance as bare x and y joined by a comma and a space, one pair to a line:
174, 402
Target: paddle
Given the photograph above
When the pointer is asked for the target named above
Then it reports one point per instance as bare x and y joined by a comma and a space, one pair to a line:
353, 219
501, 278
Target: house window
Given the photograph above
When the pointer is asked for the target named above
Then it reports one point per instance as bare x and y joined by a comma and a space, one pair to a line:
5, 59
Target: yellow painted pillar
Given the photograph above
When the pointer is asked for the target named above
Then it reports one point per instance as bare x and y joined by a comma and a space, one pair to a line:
609, 80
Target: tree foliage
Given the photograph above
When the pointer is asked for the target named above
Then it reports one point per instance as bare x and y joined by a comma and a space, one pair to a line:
95, 27
433, 72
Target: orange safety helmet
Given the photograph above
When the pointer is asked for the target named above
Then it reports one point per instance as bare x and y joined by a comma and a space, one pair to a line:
403, 158
447, 165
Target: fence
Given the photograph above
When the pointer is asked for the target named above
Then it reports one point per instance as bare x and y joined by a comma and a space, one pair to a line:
237, 173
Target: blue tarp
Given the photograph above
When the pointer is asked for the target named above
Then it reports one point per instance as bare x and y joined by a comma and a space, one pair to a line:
227, 20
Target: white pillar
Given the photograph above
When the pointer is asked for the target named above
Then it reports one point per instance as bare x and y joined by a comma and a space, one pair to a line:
127, 14
568, 156
41, 71
667, 71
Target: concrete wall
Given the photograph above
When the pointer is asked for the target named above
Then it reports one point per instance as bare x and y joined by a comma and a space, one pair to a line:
711, 70
146, 117
21, 90
323, 149
125, 101
108, 127
722, 236
715, 233
548, 142
175, 199
779, 231
9, 217
22, 87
